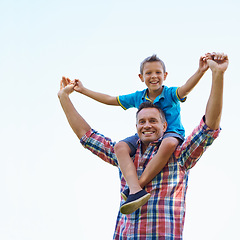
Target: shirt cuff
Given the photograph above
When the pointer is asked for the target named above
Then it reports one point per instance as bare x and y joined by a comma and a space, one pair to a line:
180, 99
209, 131
85, 137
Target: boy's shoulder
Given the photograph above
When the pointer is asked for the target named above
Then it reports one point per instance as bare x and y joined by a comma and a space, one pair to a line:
166, 88
137, 93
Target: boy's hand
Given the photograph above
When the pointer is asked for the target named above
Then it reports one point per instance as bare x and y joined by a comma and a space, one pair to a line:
66, 86
78, 86
203, 65
217, 61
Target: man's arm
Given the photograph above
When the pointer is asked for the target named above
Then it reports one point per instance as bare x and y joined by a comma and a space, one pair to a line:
218, 63
76, 121
185, 89
203, 136
92, 140
100, 97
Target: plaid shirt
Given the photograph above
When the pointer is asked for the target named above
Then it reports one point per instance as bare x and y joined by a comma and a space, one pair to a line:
162, 217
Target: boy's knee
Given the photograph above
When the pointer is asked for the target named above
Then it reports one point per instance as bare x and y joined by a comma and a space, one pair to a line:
121, 146
172, 143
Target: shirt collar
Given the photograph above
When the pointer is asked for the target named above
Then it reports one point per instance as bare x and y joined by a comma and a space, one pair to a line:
145, 95
152, 143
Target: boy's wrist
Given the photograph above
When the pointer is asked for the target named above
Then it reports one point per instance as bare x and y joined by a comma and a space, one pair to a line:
201, 71
83, 90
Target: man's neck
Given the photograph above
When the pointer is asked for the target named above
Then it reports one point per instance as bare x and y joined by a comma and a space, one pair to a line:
144, 147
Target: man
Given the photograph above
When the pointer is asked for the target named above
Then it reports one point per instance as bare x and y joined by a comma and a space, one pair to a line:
163, 215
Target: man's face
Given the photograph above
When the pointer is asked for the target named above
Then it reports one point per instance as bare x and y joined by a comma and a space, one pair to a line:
153, 75
149, 125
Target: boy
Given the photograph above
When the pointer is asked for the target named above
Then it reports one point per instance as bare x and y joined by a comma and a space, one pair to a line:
152, 73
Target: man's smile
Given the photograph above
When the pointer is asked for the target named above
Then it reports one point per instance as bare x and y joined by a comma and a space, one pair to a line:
148, 132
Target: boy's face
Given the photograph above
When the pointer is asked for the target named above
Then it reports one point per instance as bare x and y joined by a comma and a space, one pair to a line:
153, 75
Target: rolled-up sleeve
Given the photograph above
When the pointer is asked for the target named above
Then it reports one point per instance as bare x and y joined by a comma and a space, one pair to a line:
195, 145
100, 145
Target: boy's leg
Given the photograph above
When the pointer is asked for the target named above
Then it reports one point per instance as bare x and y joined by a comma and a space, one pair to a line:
137, 196
160, 159
127, 166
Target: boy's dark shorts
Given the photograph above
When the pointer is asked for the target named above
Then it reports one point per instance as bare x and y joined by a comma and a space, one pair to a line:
132, 140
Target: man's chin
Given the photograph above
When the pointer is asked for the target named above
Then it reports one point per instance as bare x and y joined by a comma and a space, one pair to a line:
148, 140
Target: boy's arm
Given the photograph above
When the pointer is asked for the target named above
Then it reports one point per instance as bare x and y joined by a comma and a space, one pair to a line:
185, 89
100, 97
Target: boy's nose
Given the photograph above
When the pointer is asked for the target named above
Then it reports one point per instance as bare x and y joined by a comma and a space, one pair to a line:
153, 75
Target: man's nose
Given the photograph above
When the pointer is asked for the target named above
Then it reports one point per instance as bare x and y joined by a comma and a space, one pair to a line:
147, 124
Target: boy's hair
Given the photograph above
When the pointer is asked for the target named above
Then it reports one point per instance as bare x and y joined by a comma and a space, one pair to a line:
152, 58
148, 104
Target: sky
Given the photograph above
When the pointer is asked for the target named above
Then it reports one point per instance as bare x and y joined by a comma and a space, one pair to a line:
53, 188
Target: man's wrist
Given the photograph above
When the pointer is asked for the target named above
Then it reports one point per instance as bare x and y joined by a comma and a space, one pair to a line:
62, 94
218, 72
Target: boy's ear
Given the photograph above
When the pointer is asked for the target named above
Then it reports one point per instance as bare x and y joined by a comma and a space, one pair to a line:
165, 75
141, 77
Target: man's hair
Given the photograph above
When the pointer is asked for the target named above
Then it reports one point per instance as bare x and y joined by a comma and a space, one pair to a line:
151, 105
153, 58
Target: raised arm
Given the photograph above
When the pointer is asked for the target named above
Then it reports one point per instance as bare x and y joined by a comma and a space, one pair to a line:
100, 97
185, 89
218, 63
76, 121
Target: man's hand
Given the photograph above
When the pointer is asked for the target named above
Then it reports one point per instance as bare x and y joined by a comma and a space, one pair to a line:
218, 62
66, 87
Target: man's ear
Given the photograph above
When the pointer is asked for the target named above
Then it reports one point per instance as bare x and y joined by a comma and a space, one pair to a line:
141, 77
164, 126
165, 75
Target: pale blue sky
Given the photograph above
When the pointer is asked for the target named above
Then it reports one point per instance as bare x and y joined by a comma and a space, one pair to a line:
52, 188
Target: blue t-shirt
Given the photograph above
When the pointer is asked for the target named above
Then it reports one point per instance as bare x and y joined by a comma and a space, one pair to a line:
168, 101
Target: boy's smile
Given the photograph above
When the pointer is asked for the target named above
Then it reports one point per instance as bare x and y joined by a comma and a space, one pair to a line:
153, 76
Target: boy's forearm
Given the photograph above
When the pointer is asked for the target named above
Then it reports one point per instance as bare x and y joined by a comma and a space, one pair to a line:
185, 89
100, 97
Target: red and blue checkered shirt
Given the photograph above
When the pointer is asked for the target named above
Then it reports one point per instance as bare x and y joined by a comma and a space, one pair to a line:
162, 217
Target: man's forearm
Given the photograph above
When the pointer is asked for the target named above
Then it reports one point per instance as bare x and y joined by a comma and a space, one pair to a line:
214, 106
77, 123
